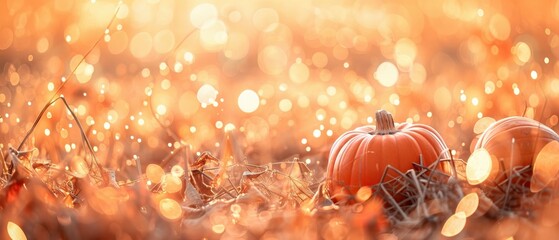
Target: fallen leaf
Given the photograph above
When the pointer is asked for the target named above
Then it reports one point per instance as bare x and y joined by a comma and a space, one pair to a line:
192, 196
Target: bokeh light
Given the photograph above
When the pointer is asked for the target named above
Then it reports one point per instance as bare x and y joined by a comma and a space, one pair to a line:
248, 101
152, 88
387, 74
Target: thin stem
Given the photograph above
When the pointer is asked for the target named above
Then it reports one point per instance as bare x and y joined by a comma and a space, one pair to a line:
84, 137
385, 123
4, 165
59, 89
507, 192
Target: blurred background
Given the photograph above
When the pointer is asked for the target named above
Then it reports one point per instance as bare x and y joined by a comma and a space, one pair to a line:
286, 77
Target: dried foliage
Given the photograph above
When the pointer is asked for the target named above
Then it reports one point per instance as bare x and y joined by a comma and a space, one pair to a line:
218, 198
186, 195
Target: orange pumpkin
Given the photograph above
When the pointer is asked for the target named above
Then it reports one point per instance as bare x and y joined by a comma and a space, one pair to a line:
529, 135
359, 157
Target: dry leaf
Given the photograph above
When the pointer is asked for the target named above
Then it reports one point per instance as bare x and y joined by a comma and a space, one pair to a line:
227, 158
192, 196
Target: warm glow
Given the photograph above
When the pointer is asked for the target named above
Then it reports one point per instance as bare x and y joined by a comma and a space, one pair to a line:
363, 194
78, 166
386, 74
405, 52
171, 183
207, 94
499, 27
212, 119
203, 14
285, 105
468, 204
265, 19
154, 173
482, 124
442, 98
229, 127
522, 52
272, 60
546, 166
15, 232
140, 44
213, 35
161, 109
248, 101
107, 200
454, 224
478, 167
177, 171
299, 72
218, 228
170, 209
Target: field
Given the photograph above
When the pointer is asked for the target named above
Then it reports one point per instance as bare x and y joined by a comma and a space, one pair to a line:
167, 119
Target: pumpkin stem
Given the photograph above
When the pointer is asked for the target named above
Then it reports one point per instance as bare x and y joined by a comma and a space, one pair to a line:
385, 123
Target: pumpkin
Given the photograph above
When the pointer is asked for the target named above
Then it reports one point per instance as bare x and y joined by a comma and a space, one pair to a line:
529, 135
359, 157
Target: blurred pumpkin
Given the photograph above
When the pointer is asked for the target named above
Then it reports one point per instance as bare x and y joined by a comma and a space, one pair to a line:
513, 141
359, 157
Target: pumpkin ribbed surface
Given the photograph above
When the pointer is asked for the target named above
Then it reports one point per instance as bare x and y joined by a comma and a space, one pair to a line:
359, 157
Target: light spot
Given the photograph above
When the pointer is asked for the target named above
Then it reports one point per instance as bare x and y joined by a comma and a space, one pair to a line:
386, 74
299, 72
316, 133
454, 224
170, 209
15, 231
499, 27
207, 94
405, 52
213, 35
202, 14
534, 74
161, 109
285, 105
154, 173
522, 52
248, 101
479, 166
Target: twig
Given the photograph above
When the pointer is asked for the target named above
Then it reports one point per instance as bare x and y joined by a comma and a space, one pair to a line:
169, 156
421, 197
510, 173
434, 166
171, 134
67, 79
4, 164
388, 196
94, 163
